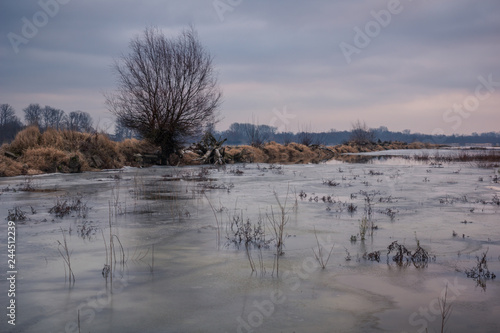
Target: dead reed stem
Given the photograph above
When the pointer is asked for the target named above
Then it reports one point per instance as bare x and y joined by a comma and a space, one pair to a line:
67, 258
278, 222
320, 255
152, 258
250, 260
445, 309
218, 235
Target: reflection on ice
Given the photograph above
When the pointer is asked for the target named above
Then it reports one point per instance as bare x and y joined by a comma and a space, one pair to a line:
183, 272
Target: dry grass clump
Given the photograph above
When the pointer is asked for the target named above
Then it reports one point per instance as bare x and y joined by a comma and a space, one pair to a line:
298, 153
71, 151
101, 152
60, 151
72, 140
28, 138
52, 138
190, 158
417, 145
46, 159
355, 148
246, 154
275, 151
9, 167
49, 160
131, 147
344, 149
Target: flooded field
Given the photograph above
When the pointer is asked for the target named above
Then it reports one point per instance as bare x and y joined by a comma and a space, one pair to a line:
168, 249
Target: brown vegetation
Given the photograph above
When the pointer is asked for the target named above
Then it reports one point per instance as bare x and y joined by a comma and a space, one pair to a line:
272, 152
295, 153
33, 152
8, 166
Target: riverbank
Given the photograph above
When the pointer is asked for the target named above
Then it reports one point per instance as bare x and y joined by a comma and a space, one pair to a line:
33, 152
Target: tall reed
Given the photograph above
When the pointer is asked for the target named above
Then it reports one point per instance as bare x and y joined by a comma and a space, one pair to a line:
278, 222
66, 255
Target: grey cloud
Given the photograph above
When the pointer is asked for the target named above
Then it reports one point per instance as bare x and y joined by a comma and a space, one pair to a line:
287, 51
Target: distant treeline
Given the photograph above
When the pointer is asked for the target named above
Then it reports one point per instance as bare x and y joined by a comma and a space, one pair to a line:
245, 133
237, 134
44, 118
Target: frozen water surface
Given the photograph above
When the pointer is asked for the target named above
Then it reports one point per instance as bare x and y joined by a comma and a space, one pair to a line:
194, 285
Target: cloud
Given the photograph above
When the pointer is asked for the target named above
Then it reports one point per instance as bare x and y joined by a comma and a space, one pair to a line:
272, 54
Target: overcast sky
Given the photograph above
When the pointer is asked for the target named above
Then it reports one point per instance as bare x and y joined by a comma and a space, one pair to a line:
428, 66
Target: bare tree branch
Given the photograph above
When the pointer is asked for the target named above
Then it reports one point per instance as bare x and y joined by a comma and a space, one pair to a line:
167, 89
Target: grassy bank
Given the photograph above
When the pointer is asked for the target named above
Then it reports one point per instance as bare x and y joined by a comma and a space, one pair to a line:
295, 153
33, 152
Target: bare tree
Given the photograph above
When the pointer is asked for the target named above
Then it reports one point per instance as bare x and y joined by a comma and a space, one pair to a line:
286, 136
122, 132
33, 114
361, 134
53, 118
167, 89
10, 124
80, 121
306, 136
7, 114
257, 135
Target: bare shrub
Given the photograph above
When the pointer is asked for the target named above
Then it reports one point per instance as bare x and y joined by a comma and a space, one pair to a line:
86, 230
361, 134
69, 204
247, 233
402, 253
372, 256
351, 208
480, 273
16, 214
330, 182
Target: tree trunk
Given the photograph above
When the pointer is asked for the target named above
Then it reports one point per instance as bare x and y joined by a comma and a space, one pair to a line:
166, 151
